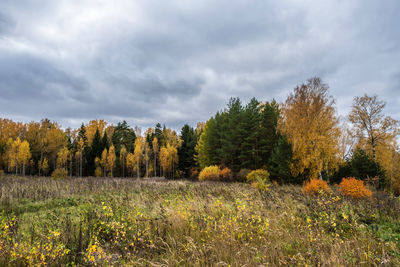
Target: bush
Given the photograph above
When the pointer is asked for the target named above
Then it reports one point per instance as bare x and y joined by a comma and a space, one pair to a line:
226, 174
354, 188
59, 173
259, 179
396, 189
315, 187
210, 173
242, 175
257, 176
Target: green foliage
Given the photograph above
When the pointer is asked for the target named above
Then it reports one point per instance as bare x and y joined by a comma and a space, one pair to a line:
242, 175
187, 150
258, 175
360, 166
280, 160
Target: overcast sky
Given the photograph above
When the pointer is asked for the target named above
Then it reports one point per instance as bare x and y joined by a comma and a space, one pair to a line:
179, 62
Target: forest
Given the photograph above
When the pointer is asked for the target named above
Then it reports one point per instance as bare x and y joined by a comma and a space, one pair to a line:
295, 141
258, 184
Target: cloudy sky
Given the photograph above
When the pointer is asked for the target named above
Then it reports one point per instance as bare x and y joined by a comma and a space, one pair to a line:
179, 61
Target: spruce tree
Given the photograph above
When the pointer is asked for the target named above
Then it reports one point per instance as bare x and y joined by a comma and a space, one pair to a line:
186, 151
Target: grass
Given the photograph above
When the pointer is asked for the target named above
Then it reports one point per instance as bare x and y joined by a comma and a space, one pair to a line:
104, 221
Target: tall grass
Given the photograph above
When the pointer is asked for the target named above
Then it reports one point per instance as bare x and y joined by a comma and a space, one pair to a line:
101, 221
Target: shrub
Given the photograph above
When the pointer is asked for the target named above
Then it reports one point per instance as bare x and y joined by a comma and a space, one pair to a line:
396, 189
59, 173
258, 175
259, 179
354, 188
315, 187
226, 174
242, 175
210, 173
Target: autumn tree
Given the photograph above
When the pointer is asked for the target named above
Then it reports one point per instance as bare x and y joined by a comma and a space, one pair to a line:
111, 159
24, 155
309, 122
155, 153
103, 161
138, 153
122, 156
130, 163
168, 160
370, 123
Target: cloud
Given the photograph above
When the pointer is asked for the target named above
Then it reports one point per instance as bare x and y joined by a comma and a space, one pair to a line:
179, 62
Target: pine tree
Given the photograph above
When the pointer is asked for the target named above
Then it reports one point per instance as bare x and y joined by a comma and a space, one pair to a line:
187, 149
250, 156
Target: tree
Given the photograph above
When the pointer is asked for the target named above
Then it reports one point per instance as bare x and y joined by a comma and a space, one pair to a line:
250, 155
268, 129
24, 155
146, 156
130, 163
155, 152
168, 160
361, 166
187, 149
62, 158
370, 123
280, 161
111, 159
44, 166
122, 155
309, 122
138, 153
103, 161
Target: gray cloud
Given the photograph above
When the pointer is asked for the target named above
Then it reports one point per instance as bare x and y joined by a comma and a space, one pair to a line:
178, 62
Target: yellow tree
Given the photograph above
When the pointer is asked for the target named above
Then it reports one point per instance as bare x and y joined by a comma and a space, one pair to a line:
155, 152
62, 158
44, 166
309, 122
168, 159
111, 159
138, 153
24, 155
91, 128
146, 156
370, 124
103, 161
13, 154
130, 163
122, 155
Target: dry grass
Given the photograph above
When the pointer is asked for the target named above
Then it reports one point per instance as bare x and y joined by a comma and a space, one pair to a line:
96, 221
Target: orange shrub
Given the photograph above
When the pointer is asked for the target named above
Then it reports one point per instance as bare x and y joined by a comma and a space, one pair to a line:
315, 186
210, 173
354, 188
226, 174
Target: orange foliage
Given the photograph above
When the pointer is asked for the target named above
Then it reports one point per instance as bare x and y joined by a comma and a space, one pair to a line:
354, 188
315, 186
226, 174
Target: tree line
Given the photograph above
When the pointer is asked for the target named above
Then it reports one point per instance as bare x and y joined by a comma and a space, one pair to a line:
299, 139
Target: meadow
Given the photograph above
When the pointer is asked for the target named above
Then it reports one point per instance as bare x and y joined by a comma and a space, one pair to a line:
157, 222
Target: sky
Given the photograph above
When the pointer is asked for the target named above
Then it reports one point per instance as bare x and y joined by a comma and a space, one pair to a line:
179, 61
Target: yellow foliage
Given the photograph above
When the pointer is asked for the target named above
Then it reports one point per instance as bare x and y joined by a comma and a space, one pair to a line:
211, 173
309, 122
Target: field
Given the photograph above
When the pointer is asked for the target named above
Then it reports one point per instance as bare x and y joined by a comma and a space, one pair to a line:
105, 221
